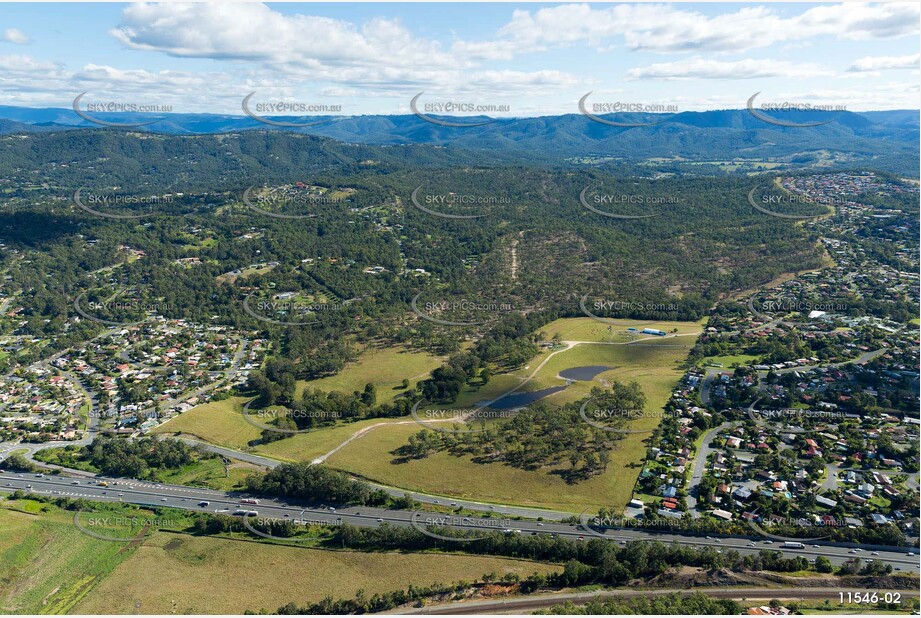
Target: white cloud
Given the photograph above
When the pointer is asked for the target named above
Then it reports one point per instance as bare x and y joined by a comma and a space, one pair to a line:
670, 29
379, 57
13, 35
702, 68
19, 63
878, 63
254, 32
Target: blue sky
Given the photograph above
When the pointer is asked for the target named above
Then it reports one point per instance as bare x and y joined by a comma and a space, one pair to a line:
534, 58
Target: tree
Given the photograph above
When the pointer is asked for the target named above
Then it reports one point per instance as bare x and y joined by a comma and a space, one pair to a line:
823, 565
369, 396
17, 463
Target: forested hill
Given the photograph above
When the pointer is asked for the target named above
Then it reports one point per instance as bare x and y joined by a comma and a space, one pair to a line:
140, 162
886, 139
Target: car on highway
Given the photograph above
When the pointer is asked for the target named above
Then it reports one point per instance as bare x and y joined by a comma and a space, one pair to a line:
204, 503
380, 519
75, 482
162, 499
39, 476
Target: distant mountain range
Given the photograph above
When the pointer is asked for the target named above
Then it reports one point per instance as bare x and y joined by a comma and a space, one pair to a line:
883, 139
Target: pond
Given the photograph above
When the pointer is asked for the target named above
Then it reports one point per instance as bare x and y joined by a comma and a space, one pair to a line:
584, 374
516, 400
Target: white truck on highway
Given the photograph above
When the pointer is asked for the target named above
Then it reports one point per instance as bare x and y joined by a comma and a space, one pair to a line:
793, 545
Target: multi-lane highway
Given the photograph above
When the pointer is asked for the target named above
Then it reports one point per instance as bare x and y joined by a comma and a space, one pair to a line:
191, 498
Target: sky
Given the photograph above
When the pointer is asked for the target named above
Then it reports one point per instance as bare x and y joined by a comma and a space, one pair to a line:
531, 59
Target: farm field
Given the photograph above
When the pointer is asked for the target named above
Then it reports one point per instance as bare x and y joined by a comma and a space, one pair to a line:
209, 575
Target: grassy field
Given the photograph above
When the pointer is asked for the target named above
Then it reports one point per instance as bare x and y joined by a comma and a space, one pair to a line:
218, 422
385, 368
307, 446
222, 422
47, 566
654, 367
587, 329
212, 474
204, 575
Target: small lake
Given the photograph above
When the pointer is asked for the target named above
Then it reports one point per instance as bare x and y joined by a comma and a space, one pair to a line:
584, 374
516, 400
